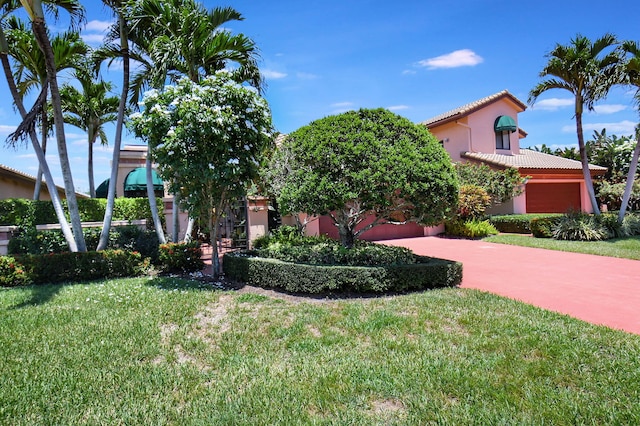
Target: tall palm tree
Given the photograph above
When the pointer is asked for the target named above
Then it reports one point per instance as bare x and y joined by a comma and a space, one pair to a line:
584, 69
35, 12
6, 8
89, 110
632, 74
30, 71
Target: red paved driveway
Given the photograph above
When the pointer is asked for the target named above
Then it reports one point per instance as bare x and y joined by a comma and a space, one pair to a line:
597, 289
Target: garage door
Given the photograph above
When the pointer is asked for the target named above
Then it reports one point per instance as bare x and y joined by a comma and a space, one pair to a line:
552, 197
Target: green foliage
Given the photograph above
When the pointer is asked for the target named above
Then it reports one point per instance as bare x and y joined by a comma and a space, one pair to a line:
517, 223
542, 227
472, 228
611, 194
131, 238
472, 202
361, 162
500, 185
82, 266
580, 227
29, 213
286, 234
425, 273
12, 273
631, 222
180, 257
324, 251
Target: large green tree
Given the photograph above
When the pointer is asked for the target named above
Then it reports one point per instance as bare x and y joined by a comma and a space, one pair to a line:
368, 162
206, 139
587, 70
89, 109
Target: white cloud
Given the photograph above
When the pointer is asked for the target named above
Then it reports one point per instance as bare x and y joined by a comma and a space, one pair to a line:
625, 127
553, 104
92, 38
397, 107
98, 26
273, 74
408, 72
458, 58
5, 129
609, 109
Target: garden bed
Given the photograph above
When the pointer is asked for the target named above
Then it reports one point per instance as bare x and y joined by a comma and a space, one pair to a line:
425, 273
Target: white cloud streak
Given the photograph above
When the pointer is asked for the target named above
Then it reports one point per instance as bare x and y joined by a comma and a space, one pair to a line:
458, 58
553, 104
625, 127
397, 107
609, 109
274, 75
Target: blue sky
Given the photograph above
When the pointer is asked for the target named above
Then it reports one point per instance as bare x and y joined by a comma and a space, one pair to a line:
417, 58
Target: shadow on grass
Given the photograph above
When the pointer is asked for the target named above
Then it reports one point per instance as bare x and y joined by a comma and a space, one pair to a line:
40, 295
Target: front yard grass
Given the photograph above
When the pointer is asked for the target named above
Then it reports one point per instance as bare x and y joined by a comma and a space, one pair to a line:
626, 248
169, 351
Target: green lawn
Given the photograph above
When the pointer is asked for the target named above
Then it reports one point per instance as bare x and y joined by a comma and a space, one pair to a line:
628, 248
167, 351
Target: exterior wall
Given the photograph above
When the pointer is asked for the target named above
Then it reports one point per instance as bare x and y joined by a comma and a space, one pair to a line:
456, 137
131, 157
258, 218
22, 188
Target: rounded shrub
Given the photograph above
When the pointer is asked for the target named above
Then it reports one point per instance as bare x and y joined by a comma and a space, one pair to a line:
470, 228
12, 273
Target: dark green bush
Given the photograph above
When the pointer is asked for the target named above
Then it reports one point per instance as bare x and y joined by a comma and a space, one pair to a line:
132, 238
469, 228
12, 273
73, 267
542, 227
631, 222
424, 273
180, 257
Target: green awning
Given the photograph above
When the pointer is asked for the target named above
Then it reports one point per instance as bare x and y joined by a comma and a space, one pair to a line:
103, 189
504, 123
136, 180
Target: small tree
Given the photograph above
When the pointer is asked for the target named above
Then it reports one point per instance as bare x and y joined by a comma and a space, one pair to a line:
369, 162
500, 185
206, 139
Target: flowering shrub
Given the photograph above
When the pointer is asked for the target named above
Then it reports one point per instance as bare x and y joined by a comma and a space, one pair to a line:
180, 257
12, 273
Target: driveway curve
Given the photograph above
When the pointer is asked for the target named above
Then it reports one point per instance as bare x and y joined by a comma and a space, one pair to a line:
600, 290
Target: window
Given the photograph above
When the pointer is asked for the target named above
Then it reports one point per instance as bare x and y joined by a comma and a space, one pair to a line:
502, 140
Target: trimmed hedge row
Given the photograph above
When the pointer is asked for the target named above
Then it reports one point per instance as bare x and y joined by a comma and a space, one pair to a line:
519, 223
29, 213
62, 267
305, 278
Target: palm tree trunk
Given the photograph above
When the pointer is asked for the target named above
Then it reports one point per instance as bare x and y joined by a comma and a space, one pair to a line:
43, 135
633, 167
40, 33
92, 185
152, 203
51, 186
122, 107
586, 173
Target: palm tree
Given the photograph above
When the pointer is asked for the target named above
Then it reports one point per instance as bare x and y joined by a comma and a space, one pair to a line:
632, 73
30, 71
35, 11
583, 69
6, 8
89, 110
177, 38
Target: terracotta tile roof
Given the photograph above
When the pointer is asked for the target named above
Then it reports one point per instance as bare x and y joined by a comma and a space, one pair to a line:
529, 159
471, 107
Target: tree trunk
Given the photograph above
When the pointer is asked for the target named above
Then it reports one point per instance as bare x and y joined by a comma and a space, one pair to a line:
586, 173
213, 219
189, 230
175, 218
43, 144
347, 238
40, 33
92, 186
633, 167
117, 142
53, 191
152, 203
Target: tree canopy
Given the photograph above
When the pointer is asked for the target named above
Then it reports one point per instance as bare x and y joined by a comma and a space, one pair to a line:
361, 163
206, 139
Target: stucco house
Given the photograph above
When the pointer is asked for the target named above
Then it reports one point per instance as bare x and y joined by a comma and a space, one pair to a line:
486, 131
16, 184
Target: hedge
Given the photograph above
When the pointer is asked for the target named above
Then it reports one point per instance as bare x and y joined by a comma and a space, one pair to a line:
305, 278
71, 267
542, 227
29, 213
518, 223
